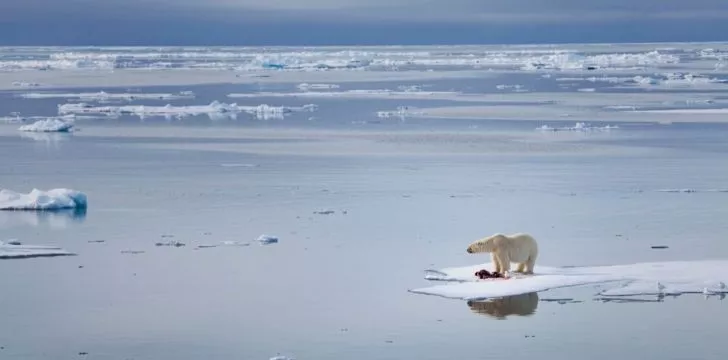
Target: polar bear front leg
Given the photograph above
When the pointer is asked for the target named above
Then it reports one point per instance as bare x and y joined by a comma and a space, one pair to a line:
496, 262
521, 267
505, 261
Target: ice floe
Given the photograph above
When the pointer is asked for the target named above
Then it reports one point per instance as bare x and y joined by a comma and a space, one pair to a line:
104, 96
653, 278
579, 126
214, 109
13, 249
329, 59
25, 84
54, 199
267, 239
688, 190
307, 86
401, 112
48, 125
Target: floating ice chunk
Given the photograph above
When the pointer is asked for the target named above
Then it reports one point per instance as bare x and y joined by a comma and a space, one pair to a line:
579, 126
516, 87
401, 112
104, 96
25, 84
656, 278
54, 199
213, 109
13, 249
48, 125
267, 239
692, 190
280, 357
306, 86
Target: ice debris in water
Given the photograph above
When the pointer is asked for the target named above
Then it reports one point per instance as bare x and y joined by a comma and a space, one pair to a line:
214, 108
54, 199
306, 86
14, 249
48, 125
267, 239
401, 112
580, 126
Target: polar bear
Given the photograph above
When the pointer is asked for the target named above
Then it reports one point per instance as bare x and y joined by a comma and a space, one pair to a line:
519, 248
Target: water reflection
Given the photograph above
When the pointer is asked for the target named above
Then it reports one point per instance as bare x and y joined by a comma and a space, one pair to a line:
520, 305
55, 219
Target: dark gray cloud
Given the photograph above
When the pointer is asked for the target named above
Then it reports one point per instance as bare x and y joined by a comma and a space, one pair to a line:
257, 22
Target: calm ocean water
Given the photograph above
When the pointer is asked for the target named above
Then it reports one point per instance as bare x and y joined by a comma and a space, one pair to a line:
335, 286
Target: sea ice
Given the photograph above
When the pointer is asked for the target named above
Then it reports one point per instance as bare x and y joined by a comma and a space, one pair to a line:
13, 249
54, 199
580, 126
267, 239
675, 277
48, 125
104, 96
307, 86
263, 111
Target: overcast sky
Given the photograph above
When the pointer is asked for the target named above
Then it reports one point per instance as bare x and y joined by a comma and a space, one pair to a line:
347, 22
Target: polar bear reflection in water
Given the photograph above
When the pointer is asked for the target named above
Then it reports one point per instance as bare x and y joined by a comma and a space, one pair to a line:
500, 308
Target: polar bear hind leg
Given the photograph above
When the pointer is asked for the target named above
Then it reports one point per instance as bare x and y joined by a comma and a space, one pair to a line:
530, 264
521, 267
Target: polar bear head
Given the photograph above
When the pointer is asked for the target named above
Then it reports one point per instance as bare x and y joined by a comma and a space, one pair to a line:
488, 244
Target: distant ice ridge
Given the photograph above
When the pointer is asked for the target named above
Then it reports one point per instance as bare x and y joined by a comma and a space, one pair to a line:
48, 125
328, 59
54, 199
16, 118
580, 126
657, 278
104, 96
13, 249
688, 190
667, 80
214, 110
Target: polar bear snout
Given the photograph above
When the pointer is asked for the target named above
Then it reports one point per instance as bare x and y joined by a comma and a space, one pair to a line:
469, 250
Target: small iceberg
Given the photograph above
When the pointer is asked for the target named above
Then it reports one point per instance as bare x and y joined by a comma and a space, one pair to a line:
48, 125
54, 199
14, 249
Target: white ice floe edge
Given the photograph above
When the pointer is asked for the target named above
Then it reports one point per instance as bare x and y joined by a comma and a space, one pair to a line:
659, 278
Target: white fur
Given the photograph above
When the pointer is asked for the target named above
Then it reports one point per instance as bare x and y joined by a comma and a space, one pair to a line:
518, 248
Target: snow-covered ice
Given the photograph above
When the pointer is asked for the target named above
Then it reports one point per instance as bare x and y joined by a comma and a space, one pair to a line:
54, 199
214, 109
48, 125
653, 278
13, 249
